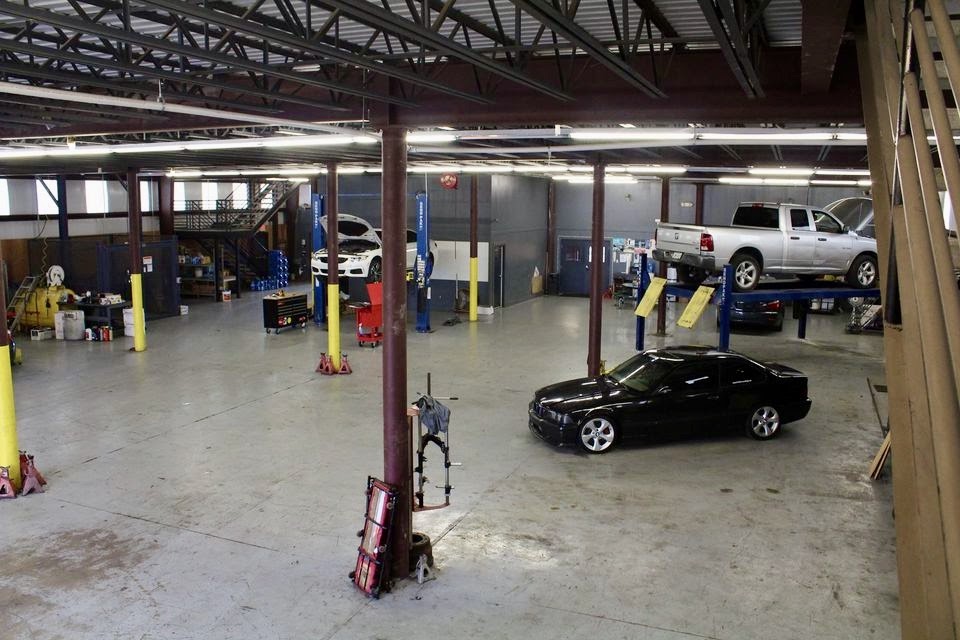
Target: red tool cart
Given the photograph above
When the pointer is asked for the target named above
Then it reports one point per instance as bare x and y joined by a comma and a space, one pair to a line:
370, 316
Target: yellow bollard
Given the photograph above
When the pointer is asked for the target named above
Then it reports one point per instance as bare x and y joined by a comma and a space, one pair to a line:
333, 325
474, 278
9, 451
139, 330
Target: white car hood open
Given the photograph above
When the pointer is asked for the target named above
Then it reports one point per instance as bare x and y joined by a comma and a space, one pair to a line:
352, 228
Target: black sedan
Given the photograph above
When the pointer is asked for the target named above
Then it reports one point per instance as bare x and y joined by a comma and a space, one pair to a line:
670, 393
763, 313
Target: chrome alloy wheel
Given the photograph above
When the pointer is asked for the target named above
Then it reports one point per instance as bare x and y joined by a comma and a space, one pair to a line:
597, 435
764, 423
867, 273
746, 275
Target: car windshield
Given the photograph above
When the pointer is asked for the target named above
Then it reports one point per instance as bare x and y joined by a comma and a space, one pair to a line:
643, 372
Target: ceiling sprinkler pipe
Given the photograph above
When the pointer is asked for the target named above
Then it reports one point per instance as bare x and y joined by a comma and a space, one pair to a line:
163, 107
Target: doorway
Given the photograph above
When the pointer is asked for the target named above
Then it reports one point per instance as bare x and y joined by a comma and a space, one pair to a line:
575, 255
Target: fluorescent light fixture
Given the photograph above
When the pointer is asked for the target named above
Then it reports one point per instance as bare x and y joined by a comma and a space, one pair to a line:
834, 183
365, 140
786, 182
842, 172
488, 168
767, 138
743, 181
184, 174
426, 137
543, 168
655, 169
433, 168
633, 134
627, 125
781, 171
222, 173
580, 168
350, 171
288, 132
852, 137
864, 183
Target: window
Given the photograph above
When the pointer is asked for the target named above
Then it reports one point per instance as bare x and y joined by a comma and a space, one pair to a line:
240, 195
146, 202
47, 203
826, 223
757, 216
739, 372
701, 376
799, 220
179, 196
95, 193
4, 198
209, 195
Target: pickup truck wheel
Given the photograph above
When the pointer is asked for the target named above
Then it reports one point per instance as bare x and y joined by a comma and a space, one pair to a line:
746, 272
863, 272
691, 275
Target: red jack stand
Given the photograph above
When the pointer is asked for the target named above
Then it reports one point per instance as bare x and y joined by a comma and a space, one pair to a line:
26, 461
6, 487
326, 365
344, 364
32, 480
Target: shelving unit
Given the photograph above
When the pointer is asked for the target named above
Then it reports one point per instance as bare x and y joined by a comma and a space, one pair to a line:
201, 285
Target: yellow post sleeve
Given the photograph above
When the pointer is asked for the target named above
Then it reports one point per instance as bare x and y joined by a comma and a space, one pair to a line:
9, 451
333, 324
474, 285
139, 328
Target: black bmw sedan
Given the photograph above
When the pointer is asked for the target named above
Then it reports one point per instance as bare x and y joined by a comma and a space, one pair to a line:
671, 393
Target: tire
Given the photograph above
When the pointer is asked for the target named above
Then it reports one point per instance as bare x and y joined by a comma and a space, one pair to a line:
763, 423
746, 272
863, 272
420, 545
375, 271
691, 275
597, 434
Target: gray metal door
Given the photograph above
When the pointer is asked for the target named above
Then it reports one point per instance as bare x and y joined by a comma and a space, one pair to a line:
575, 256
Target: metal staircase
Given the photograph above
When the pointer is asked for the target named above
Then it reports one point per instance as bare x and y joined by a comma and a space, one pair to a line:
18, 303
224, 219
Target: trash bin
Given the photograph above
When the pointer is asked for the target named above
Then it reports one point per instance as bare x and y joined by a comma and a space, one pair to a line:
553, 284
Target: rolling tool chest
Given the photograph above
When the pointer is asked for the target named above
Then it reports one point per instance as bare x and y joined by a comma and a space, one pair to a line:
282, 310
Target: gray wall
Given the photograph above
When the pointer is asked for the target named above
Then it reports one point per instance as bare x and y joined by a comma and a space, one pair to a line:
519, 209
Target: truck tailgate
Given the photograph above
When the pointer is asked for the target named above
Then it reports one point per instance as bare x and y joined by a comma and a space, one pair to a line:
679, 237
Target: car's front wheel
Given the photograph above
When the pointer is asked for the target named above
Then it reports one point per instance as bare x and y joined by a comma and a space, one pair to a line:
764, 423
597, 434
375, 272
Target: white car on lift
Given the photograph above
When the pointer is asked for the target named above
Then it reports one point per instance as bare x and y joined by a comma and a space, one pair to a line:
360, 250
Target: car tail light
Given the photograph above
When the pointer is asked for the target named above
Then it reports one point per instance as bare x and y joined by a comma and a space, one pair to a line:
773, 305
706, 242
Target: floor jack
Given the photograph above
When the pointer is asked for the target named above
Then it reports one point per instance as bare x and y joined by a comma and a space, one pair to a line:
421, 548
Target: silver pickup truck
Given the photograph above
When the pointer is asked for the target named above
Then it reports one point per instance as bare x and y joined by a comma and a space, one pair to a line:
774, 238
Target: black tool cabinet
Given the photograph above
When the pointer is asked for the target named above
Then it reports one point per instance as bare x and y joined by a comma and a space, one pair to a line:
284, 310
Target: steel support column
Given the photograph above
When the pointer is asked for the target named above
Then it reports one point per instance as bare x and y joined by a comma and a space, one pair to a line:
165, 202
63, 220
397, 462
9, 449
551, 227
698, 205
662, 266
333, 267
474, 260
596, 272
136, 259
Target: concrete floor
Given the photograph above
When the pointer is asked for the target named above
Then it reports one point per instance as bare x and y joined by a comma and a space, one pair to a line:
211, 487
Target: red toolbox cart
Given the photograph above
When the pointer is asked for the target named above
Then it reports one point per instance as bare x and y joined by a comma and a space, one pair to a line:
370, 316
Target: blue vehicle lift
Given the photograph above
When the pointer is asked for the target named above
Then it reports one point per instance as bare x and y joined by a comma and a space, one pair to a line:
724, 298
421, 276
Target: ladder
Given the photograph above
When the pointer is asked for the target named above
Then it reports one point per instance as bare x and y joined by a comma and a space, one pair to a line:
18, 303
